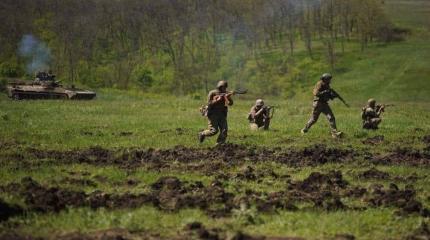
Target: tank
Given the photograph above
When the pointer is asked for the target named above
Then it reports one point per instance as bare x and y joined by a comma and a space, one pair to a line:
46, 87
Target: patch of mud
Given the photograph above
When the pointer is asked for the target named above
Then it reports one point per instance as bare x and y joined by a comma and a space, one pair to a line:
8, 210
197, 230
395, 197
344, 236
405, 156
324, 190
373, 173
193, 230
168, 193
219, 156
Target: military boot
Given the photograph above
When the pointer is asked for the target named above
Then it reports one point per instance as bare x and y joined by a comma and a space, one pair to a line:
201, 137
336, 134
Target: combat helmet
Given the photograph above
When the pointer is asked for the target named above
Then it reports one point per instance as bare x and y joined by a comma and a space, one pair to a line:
222, 83
371, 102
326, 77
259, 103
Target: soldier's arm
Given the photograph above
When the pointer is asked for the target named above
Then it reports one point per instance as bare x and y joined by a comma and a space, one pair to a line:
211, 98
318, 92
252, 112
317, 89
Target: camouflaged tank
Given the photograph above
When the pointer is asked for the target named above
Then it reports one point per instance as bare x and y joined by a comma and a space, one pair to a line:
45, 87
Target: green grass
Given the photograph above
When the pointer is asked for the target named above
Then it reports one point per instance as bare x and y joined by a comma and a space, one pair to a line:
394, 73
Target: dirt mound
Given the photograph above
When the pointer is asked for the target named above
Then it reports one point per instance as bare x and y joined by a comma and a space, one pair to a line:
395, 197
197, 230
324, 190
374, 140
373, 173
168, 193
407, 156
8, 210
227, 154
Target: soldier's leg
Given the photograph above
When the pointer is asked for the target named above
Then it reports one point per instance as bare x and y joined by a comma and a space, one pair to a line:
266, 123
374, 122
253, 126
330, 117
223, 128
316, 111
213, 127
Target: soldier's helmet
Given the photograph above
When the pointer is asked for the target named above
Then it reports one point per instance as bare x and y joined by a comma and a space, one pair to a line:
371, 102
326, 77
259, 103
222, 83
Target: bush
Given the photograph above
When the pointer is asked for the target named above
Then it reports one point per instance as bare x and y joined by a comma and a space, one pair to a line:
9, 69
3, 83
143, 77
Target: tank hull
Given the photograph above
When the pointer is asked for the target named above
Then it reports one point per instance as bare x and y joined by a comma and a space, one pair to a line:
34, 91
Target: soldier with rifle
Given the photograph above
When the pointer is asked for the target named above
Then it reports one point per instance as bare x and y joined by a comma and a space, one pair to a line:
371, 114
322, 94
216, 111
260, 115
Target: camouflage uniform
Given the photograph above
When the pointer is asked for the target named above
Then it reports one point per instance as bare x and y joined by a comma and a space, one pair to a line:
322, 95
371, 115
217, 116
259, 117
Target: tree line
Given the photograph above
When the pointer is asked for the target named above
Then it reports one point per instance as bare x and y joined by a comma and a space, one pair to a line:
182, 46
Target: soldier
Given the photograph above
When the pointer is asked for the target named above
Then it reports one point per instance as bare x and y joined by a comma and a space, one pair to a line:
218, 102
322, 94
259, 116
371, 114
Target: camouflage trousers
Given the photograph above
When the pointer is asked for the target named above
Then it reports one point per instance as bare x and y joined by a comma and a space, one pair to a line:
318, 108
264, 124
217, 123
372, 123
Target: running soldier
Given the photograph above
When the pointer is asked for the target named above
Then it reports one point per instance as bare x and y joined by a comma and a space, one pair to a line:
322, 94
218, 102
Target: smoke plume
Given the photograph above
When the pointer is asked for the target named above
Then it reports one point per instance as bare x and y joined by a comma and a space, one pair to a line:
37, 54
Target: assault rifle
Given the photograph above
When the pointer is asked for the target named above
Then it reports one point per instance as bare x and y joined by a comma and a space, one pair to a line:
205, 108
270, 110
231, 93
381, 107
334, 94
234, 92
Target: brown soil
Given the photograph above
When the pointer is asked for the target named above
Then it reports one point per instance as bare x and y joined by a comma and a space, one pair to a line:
168, 193
374, 140
323, 190
405, 156
395, 197
196, 230
228, 154
193, 230
374, 173
8, 210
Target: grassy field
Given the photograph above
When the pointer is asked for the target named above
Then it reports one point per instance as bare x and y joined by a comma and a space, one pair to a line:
93, 164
